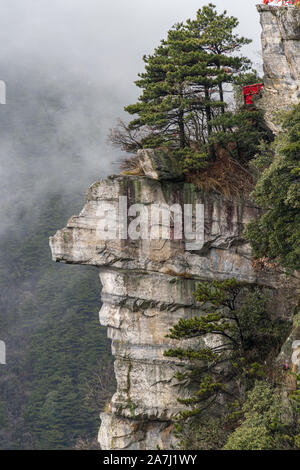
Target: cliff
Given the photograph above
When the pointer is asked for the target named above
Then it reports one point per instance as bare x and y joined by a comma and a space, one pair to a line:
281, 57
148, 285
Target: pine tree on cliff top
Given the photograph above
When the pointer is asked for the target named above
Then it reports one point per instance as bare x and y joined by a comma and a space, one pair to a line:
183, 83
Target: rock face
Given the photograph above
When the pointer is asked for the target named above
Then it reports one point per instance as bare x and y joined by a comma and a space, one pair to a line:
148, 284
281, 57
159, 165
147, 287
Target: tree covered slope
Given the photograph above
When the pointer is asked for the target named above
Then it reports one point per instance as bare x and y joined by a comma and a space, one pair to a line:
58, 373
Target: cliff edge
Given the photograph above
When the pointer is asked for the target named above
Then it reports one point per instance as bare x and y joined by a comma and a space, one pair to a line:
281, 58
148, 284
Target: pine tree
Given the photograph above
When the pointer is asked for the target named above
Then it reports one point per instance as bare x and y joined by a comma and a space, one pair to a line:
184, 79
218, 39
244, 335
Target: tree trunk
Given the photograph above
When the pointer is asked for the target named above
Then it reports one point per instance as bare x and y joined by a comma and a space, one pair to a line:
207, 110
221, 92
181, 129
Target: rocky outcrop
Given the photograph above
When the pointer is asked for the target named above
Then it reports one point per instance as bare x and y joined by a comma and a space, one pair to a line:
148, 286
281, 58
159, 164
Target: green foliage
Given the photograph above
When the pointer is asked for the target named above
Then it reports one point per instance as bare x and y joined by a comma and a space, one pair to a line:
232, 404
276, 233
265, 426
63, 356
193, 159
264, 156
240, 133
236, 315
219, 293
183, 85
209, 433
50, 394
296, 320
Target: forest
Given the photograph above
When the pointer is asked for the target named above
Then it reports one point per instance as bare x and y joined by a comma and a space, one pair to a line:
59, 358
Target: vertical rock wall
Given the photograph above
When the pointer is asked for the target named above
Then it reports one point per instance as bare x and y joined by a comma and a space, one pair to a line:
148, 286
281, 57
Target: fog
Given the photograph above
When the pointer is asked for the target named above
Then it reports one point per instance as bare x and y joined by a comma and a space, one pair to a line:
69, 68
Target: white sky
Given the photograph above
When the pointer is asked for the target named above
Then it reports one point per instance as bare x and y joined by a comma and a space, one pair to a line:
69, 67
103, 40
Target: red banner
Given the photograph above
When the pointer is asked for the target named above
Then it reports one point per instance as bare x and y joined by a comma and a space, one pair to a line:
283, 2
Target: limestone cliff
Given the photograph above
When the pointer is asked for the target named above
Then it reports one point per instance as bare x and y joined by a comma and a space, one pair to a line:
148, 284
281, 57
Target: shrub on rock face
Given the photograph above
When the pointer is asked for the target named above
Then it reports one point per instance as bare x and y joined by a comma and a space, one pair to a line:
262, 412
210, 433
230, 344
276, 234
230, 359
268, 422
